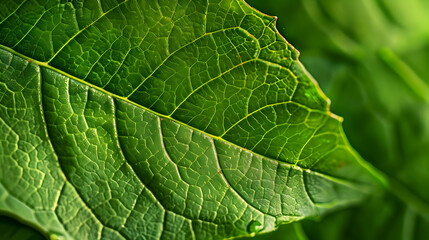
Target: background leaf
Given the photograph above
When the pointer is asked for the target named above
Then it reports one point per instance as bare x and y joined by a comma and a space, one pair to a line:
13, 230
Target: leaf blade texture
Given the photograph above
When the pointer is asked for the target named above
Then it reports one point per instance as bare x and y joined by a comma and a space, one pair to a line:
178, 119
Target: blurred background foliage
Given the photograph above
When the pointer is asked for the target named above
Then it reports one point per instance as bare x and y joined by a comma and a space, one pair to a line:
371, 58
11, 229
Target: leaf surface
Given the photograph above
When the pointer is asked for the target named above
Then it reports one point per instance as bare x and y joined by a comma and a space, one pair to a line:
163, 119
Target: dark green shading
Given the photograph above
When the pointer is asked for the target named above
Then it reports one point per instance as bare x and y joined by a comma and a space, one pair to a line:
11, 229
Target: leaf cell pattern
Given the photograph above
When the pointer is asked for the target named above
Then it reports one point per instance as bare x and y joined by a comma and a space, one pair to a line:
163, 120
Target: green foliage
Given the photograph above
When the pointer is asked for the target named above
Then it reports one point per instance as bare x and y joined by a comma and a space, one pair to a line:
371, 58
195, 120
12, 230
145, 119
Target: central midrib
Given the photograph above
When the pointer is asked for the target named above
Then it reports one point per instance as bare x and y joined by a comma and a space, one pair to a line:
355, 185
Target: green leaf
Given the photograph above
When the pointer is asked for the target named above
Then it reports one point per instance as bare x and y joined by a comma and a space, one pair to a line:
163, 119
